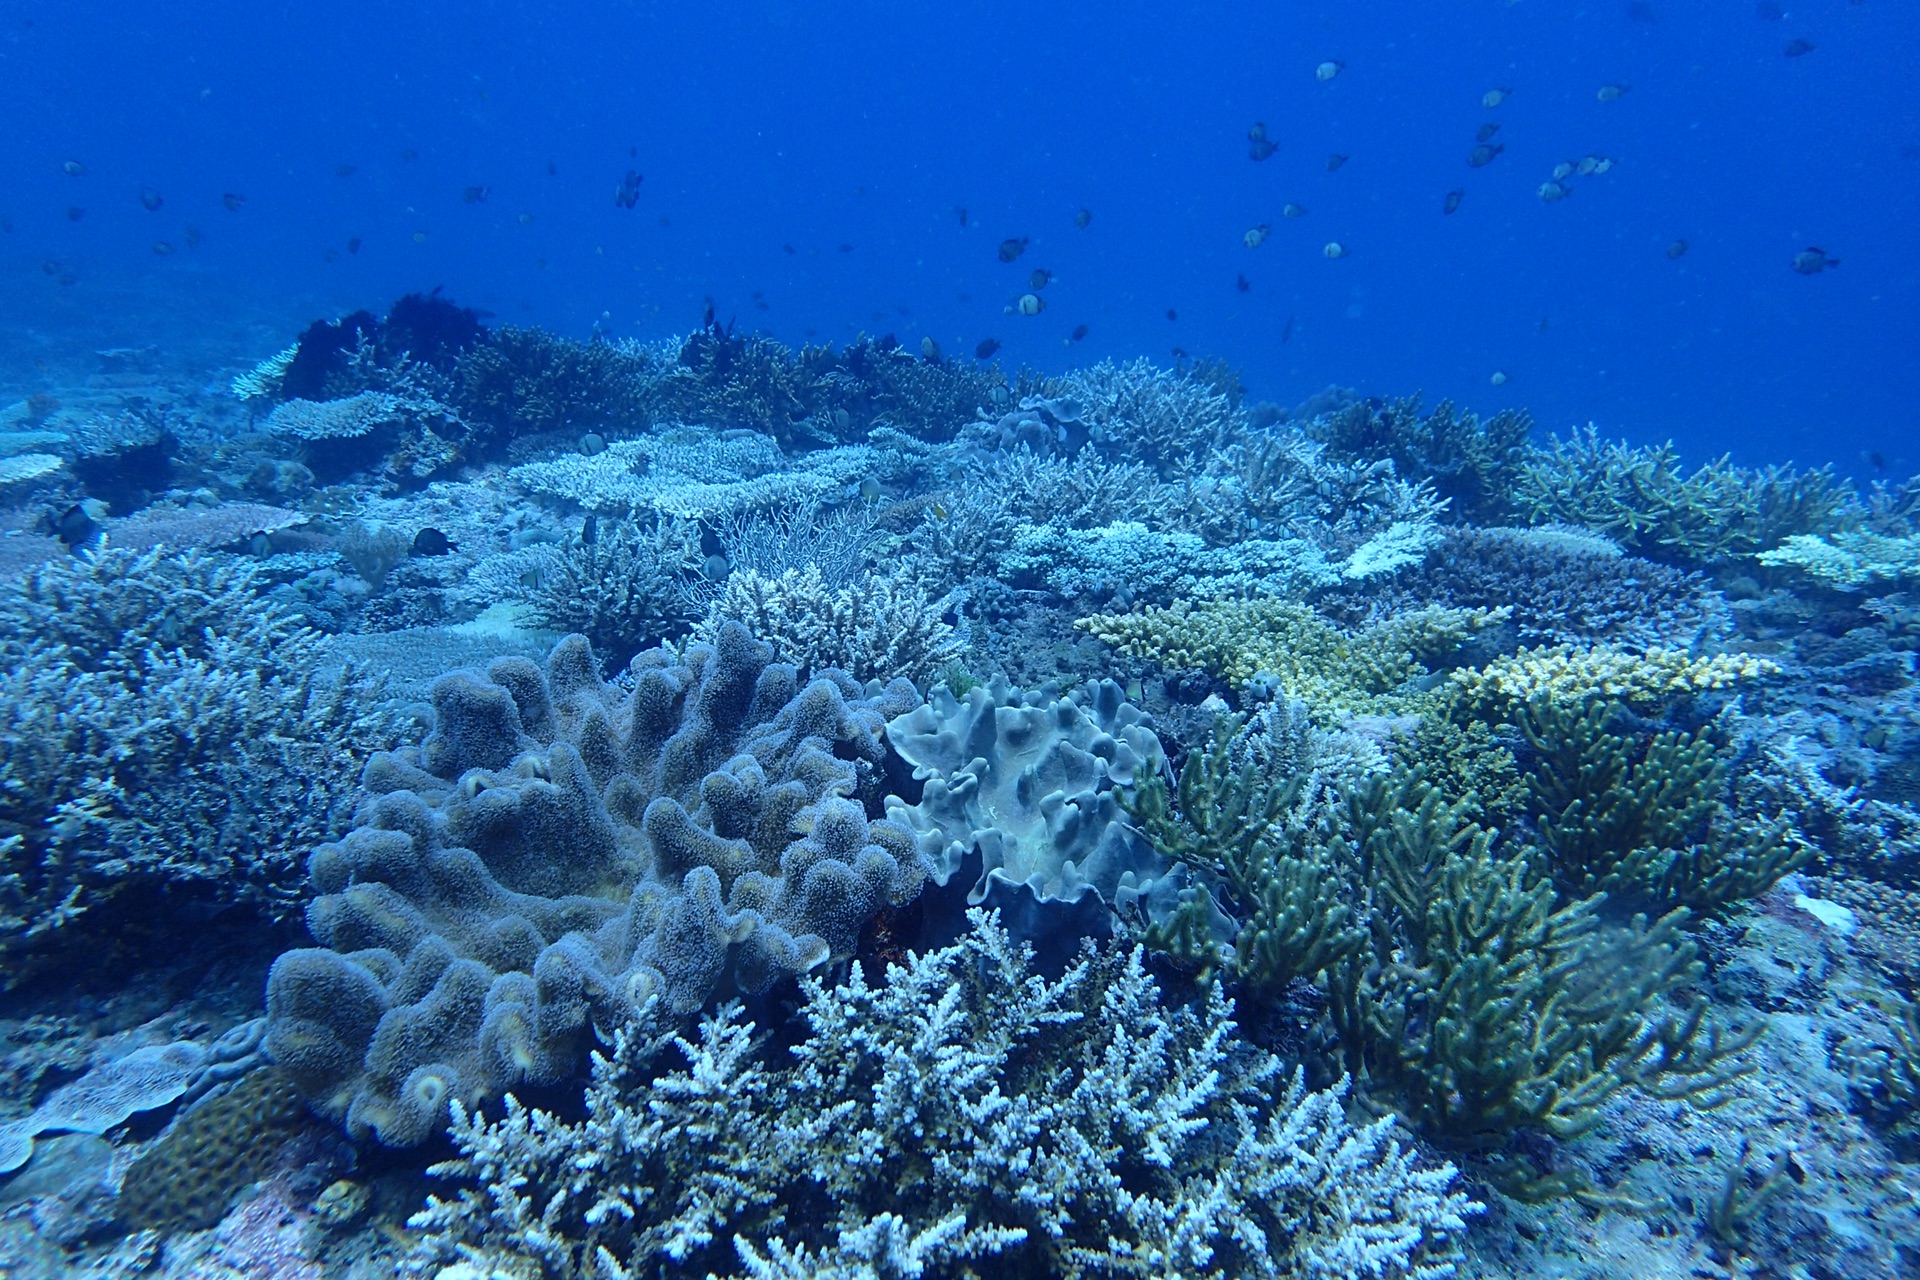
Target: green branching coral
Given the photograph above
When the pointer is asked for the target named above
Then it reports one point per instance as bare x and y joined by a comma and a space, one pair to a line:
1294, 650
1487, 1006
965, 1117
1230, 825
1642, 816
1474, 463
1714, 515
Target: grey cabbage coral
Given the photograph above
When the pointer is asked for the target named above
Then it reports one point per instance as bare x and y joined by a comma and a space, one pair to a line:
965, 1114
559, 848
1034, 782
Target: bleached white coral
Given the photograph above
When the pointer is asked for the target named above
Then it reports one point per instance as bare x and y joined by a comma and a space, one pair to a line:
1848, 560
265, 379
965, 1109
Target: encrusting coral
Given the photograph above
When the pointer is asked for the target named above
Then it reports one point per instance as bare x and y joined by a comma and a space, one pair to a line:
559, 849
966, 1117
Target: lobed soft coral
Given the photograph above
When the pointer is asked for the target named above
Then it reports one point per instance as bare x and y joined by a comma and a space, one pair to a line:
559, 849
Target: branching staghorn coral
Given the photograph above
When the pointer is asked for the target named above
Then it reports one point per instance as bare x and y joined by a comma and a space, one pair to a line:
1293, 649
875, 627
162, 729
1471, 463
965, 1115
1487, 1007
1645, 817
625, 591
1160, 417
1639, 497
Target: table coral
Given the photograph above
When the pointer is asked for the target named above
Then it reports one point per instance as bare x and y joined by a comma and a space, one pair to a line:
1563, 673
1293, 649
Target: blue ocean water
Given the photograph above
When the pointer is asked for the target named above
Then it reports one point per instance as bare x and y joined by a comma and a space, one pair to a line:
807, 168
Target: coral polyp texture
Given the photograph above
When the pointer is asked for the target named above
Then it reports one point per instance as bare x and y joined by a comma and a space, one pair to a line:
560, 849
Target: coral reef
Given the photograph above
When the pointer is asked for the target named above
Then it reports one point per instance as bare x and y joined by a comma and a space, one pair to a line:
1712, 516
821, 395
1563, 588
1033, 781
1486, 1007
162, 731
964, 1115
1474, 465
187, 1180
699, 475
1231, 823
560, 848
527, 382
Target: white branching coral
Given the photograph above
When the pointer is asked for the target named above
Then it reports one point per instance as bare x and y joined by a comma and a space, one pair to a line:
876, 627
965, 1109
264, 380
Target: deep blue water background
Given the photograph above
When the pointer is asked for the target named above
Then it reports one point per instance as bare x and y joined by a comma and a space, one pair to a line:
853, 132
